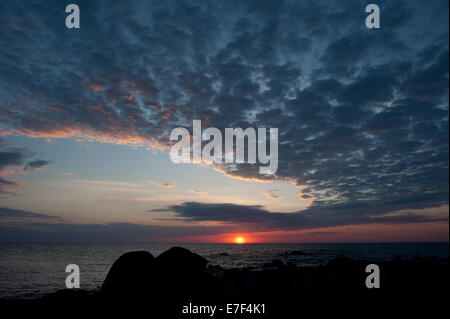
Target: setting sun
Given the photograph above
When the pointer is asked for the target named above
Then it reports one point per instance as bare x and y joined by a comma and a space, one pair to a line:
239, 240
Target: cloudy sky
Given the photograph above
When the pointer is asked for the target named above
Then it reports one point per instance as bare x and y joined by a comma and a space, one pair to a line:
86, 114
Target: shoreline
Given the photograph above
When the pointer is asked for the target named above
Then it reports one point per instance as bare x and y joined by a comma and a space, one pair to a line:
180, 278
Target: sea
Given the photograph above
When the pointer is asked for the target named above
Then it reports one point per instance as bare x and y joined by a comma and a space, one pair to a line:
30, 270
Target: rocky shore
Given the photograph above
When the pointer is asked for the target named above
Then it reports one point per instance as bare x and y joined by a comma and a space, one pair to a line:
163, 285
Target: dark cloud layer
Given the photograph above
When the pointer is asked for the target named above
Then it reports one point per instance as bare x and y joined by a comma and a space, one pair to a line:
256, 218
18, 213
15, 161
37, 164
115, 232
362, 114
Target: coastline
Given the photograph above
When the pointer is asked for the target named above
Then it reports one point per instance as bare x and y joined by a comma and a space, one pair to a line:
182, 278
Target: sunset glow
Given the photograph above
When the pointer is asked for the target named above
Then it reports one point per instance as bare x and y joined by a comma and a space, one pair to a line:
151, 157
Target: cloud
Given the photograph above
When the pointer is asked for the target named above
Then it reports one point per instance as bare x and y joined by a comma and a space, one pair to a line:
18, 213
36, 165
195, 191
164, 185
362, 114
114, 232
257, 218
7, 184
272, 194
15, 161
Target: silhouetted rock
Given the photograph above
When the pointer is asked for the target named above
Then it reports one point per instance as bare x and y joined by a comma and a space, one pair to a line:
161, 286
214, 269
130, 276
290, 266
433, 261
275, 263
342, 264
298, 253
181, 261
295, 253
180, 273
69, 295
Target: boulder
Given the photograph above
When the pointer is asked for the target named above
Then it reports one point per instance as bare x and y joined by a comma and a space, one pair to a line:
298, 253
342, 264
178, 260
275, 263
180, 272
294, 253
130, 276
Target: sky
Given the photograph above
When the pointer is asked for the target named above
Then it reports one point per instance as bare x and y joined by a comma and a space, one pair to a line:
86, 115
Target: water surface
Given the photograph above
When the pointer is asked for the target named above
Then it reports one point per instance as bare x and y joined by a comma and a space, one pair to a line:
31, 270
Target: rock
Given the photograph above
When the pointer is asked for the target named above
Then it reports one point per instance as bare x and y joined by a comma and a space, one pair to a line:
214, 268
295, 253
70, 296
298, 253
275, 263
291, 266
342, 264
181, 261
181, 273
130, 276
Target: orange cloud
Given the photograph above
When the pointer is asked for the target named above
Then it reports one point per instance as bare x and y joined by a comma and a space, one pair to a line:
56, 109
95, 87
11, 171
164, 185
120, 137
271, 194
248, 179
189, 91
198, 192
